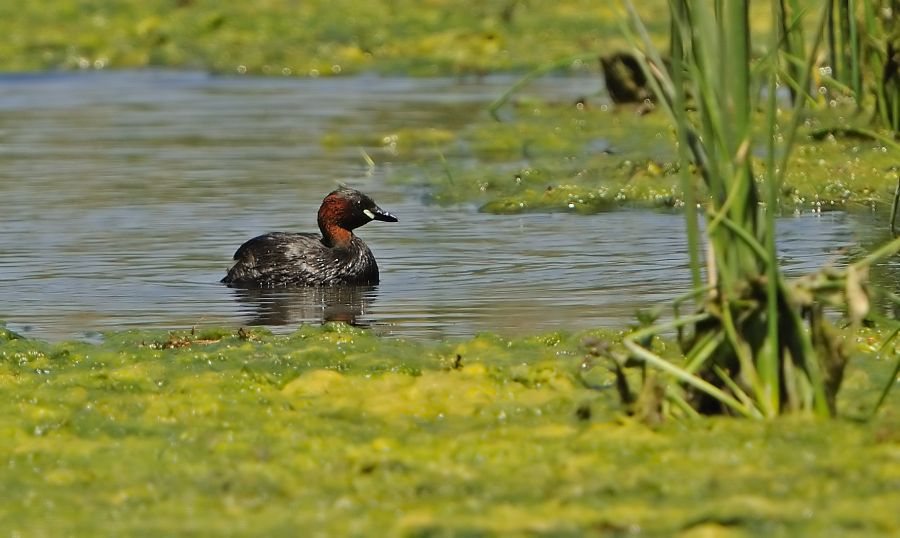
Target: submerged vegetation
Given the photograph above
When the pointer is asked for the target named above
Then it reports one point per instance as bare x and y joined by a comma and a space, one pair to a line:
334, 431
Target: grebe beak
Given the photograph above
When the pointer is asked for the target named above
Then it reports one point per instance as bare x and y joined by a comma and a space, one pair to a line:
376, 213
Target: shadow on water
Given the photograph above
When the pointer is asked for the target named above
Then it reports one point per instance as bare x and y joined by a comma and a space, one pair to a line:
294, 306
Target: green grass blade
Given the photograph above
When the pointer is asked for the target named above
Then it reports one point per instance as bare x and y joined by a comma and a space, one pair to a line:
687, 378
688, 187
769, 360
703, 350
855, 57
796, 120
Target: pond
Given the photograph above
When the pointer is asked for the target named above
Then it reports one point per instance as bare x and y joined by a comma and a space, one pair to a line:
125, 195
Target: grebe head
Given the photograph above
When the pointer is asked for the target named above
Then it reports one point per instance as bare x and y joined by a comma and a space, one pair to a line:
346, 209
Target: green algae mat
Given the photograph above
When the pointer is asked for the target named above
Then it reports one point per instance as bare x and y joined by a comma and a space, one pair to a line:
316, 37
308, 38
331, 431
588, 156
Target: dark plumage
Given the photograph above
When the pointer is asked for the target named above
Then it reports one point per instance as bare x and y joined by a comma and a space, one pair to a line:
336, 257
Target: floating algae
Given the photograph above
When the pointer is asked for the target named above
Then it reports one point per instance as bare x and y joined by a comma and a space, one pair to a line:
335, 431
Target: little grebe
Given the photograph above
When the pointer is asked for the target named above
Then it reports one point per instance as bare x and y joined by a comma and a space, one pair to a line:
305, 259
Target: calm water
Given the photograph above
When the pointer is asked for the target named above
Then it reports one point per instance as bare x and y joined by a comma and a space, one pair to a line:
124, 196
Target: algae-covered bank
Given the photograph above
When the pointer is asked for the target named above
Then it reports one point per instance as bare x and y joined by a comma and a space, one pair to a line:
333, 432
309, 38
589, 155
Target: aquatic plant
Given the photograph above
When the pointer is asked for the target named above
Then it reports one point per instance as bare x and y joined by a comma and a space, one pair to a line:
864, 54
760, 345
861, 60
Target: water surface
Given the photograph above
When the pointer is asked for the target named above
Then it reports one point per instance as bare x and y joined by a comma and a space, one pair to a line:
125, 195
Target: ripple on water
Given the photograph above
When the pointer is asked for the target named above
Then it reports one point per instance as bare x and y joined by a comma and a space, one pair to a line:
125, 195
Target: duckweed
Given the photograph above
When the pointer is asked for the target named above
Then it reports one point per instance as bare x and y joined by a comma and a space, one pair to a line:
333, 431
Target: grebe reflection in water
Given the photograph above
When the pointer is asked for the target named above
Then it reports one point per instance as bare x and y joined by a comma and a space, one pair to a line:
293, 306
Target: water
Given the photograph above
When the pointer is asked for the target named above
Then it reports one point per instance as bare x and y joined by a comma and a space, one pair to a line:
125, 195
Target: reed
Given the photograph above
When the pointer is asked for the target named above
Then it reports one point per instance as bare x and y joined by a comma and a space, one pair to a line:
861, 57
863, 44
792, 42
880, 56
758, 345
